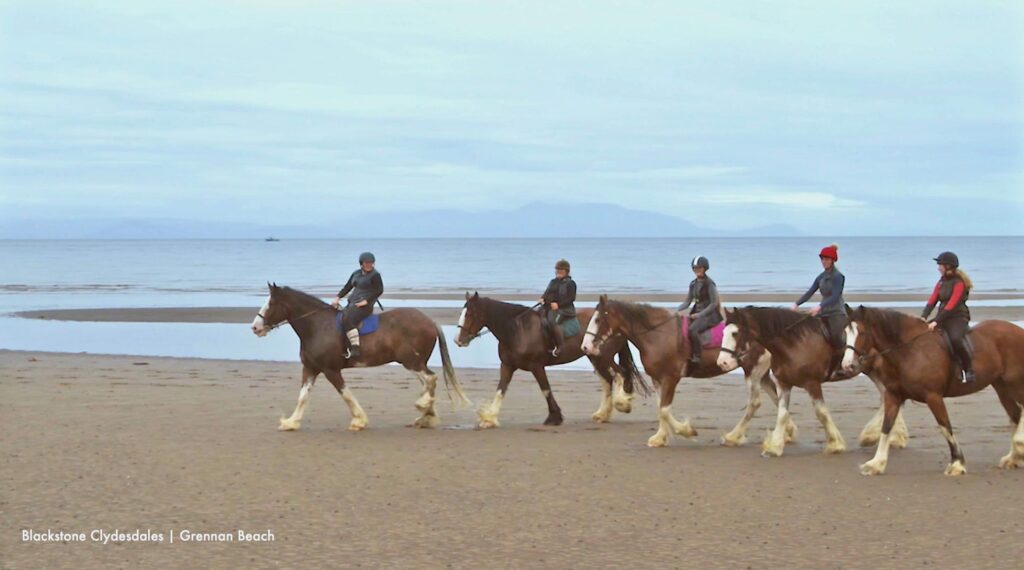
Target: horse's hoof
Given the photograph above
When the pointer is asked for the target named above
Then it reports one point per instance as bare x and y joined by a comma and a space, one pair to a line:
898, 441
287, 425
487, 424
426, 422
1010, 462
872, 468
624, 406
956, 469
731, 441
834, 448
791, 432
356, 426
869, 440
424, 405
553, 421
686, 430
601, 417
655, 441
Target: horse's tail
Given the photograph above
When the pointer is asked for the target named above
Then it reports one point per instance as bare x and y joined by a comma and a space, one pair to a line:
631, 374
451, 382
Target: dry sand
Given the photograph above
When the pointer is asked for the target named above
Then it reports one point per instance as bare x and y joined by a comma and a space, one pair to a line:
137, 442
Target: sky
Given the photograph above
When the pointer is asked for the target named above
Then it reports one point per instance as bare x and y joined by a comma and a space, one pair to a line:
859, 118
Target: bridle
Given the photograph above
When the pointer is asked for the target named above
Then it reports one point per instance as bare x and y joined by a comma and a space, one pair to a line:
287, 319
861, 356
479, 333
600, 340
740, 354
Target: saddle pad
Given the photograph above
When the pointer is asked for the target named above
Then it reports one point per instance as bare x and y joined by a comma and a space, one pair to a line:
711, 338
369, 325
571, 327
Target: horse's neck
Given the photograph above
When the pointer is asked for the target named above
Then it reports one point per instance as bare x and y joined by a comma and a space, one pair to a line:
643, 336
302, 315
500, 321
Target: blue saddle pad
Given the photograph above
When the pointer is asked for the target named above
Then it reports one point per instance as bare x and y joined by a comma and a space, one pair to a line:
369, 325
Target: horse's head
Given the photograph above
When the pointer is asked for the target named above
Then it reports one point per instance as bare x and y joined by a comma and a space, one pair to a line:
471, 320
736, 339
271, 314
605, 322
861, 348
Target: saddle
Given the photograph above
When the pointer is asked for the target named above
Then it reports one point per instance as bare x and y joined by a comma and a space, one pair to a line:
956, 368
570, 328
710, 338
369, 325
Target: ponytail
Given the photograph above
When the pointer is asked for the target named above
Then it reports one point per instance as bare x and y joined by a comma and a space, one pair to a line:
965, 278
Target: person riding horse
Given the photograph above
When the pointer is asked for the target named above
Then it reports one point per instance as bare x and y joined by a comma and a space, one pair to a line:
952, 290
558, 302
366, 287
704, 314
832, 310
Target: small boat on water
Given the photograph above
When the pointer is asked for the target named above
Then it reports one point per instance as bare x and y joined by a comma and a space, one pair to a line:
271, 239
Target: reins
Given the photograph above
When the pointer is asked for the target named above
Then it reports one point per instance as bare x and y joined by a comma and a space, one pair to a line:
757, 337
861, 357
481, 332
289, 319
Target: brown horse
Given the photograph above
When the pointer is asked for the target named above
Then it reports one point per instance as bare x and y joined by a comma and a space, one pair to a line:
522, 346
914, 364
800, 357
664, 352
406, 336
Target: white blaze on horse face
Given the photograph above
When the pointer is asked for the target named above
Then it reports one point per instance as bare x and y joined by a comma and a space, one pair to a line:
588, 339
462, 323
850, 357
727, 360
259, 328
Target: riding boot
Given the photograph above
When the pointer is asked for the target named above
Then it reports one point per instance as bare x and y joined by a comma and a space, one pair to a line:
695, 349
966, 362
353, 342
833, 366
559, 339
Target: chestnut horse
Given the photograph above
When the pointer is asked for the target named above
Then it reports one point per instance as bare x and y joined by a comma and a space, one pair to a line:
800, 357
914, 363
521, 346
406, 336
664, 352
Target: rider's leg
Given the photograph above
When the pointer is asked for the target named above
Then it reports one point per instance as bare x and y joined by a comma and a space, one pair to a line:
697, 326
836, 326
557, 332
957, 331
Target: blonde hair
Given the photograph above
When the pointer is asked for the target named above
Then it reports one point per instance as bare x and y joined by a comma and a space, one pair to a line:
965, 278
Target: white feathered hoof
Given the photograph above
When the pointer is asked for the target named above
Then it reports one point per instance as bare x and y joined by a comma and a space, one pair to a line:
425, 403
873, 467
730, 440
898, 439
770, 449
956, 469
835, 447
624, 405
1009, 461
791, 432
870, 438
357, 424
287, 425
426, 422
601, 417
657, 440
685, 430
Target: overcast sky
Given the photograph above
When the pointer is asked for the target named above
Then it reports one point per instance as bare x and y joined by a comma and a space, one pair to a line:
857, 118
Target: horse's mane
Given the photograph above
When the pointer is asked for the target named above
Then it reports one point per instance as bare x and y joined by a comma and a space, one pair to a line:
501, 316
889, 323
781, 324
300, 299
638, 312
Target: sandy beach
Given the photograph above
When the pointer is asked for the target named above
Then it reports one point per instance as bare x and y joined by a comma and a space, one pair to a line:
128, 442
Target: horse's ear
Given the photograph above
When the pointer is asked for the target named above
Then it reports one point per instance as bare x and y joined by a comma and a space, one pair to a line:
604, 298
468, 295
849, 309
476, 294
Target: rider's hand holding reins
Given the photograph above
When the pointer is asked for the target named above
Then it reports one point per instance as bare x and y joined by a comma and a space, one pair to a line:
362, 303
336, 302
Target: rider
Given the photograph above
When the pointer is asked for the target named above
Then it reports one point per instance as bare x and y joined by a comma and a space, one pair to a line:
558, 302
704, 314
954, 317
366, 286
832, 308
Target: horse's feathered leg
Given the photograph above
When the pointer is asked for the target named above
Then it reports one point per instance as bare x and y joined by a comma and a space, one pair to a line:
876, 466
604, 411
1015, 458
488, 413
873, 429
957, 465
834, 439
295, 420
425, 403
667, 423
359, 419
775, 441
554, 412
738, 435
768, 387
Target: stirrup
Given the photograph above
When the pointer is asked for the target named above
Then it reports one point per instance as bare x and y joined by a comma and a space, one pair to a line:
554, 352
968, 377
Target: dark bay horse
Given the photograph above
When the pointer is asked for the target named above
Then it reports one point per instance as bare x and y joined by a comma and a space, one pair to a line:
406, 336
914, 363
664, 352
521, 346
800, 357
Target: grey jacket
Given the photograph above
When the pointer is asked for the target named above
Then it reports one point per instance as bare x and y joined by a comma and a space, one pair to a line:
831, 284
368, 286
704, 296
563, 292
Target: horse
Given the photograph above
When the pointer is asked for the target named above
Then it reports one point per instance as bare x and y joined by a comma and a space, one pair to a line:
664, 351
800, 357
522, 346
406, 336
914, 363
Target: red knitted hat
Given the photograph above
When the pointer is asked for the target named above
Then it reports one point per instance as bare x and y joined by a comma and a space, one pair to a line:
831, 252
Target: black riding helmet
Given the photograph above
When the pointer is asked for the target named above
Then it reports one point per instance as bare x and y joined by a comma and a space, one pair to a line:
948, 258
366, 256
700, 261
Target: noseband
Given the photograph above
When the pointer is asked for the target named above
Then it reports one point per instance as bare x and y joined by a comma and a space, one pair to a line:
287, 319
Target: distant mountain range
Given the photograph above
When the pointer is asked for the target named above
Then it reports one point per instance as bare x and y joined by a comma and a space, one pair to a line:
530, 221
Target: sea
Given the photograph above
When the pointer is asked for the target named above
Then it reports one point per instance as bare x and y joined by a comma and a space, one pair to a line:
57, 274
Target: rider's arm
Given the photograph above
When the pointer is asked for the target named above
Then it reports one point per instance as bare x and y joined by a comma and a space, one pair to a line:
689, 299
803, 298
378, 288
958, 292
712, 301
931, 301
838, 281
570, 294
348, 287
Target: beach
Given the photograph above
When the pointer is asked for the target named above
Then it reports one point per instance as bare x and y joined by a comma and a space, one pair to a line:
171, 445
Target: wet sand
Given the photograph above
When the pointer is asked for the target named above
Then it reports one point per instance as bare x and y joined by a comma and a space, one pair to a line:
239, 315
137, 442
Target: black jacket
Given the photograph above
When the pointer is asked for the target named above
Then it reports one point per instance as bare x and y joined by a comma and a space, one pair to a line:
368, 286
952, 292
704, 296
563, 292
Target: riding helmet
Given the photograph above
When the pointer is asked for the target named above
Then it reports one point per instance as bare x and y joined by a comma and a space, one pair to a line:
366, 256
562, 264
700, 261
948, 258
831, 252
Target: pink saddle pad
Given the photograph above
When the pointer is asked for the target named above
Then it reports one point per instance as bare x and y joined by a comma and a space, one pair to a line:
712, 340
